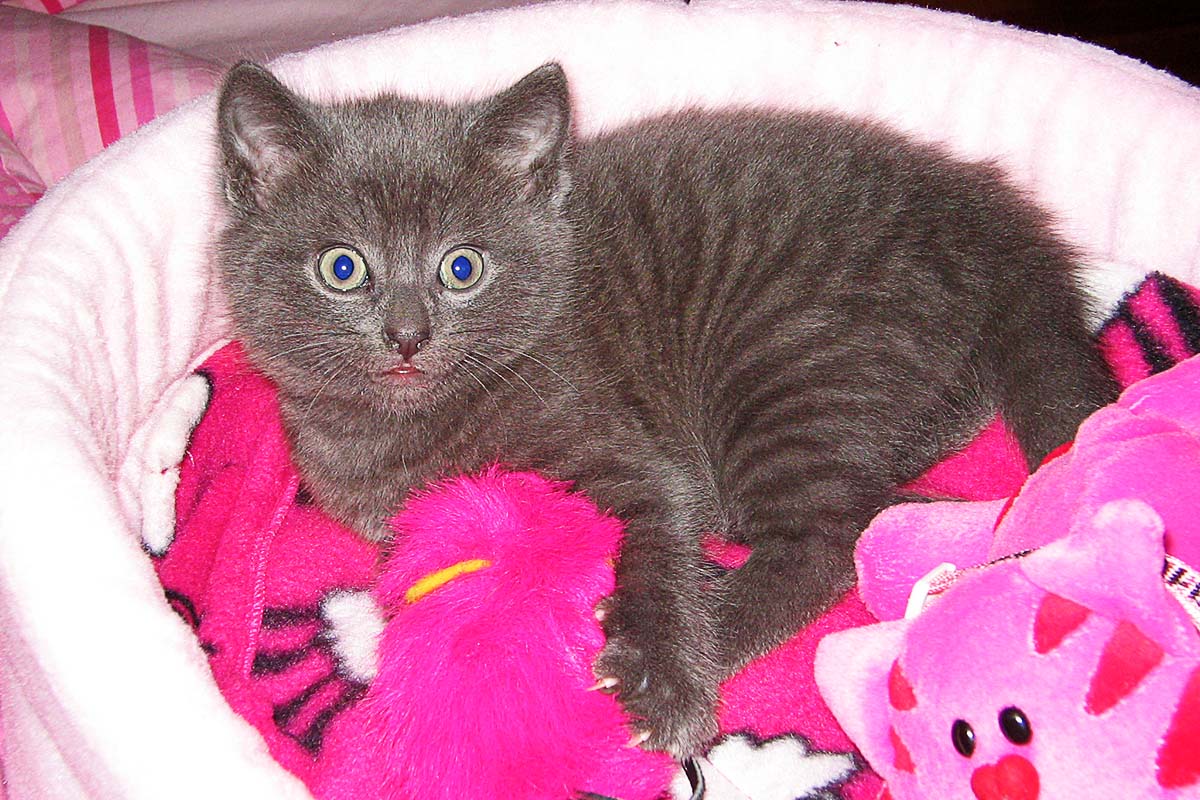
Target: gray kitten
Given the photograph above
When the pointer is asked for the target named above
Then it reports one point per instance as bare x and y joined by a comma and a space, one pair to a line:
747, 322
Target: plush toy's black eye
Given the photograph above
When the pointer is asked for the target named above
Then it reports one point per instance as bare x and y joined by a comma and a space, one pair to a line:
1015, 725
963, 736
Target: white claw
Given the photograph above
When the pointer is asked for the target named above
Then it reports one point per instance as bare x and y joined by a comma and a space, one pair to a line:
638, 739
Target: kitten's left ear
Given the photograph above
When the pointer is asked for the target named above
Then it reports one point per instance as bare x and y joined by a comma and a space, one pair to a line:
525, 129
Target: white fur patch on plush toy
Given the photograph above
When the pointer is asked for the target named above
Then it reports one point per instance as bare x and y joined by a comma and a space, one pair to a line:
167, 442
355, 624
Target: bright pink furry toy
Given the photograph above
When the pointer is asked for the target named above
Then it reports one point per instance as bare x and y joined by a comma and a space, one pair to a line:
1068, 665
485, 662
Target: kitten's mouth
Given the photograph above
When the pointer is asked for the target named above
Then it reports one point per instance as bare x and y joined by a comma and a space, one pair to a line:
404, 372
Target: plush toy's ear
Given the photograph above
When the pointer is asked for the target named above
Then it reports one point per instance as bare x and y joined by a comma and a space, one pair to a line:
1112, 564
264, 130
903, 543
524, 132
854, 670
1170, 395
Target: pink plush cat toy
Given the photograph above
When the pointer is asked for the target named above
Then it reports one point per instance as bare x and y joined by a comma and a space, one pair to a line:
1068, 665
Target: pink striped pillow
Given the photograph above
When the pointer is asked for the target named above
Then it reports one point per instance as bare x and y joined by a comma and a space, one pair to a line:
20, 186
48, 6
67, 90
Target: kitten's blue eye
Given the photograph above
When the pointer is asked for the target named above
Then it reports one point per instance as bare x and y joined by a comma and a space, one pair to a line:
342, 268
461, 268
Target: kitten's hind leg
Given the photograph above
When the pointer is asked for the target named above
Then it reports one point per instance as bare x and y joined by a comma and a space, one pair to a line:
783, 586
1045, 405
1051, 374
799, 496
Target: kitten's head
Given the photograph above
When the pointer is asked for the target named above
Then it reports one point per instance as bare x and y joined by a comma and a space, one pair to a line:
393, 252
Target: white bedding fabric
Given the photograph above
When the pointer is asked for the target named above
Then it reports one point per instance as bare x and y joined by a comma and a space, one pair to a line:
106, 301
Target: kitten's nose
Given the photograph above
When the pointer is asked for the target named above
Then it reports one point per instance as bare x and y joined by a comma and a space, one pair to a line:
405, 340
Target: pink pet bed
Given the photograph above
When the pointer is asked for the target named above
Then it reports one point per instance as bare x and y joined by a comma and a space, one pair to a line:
106, 301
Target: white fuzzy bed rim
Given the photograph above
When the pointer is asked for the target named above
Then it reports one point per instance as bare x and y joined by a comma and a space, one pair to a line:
106, 301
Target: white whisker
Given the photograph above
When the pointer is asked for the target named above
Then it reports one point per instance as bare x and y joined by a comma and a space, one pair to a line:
477, 355
523, 354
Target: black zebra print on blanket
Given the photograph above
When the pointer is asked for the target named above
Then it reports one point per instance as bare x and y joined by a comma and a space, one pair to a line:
1155, 326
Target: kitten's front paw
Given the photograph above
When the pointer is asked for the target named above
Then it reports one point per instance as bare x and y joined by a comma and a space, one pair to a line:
664, 678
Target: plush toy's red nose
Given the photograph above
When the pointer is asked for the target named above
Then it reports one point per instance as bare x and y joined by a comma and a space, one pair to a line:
1010, 778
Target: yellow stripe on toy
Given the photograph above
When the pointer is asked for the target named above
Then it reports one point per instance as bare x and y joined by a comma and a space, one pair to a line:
436, 580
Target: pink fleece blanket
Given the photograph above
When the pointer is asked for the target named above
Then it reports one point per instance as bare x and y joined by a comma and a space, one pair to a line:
290, 608
106, 302
310, 638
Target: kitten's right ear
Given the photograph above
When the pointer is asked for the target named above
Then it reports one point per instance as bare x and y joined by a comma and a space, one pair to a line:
264, 130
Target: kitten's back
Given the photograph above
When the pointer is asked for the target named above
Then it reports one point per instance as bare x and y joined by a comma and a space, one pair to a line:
780, 268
